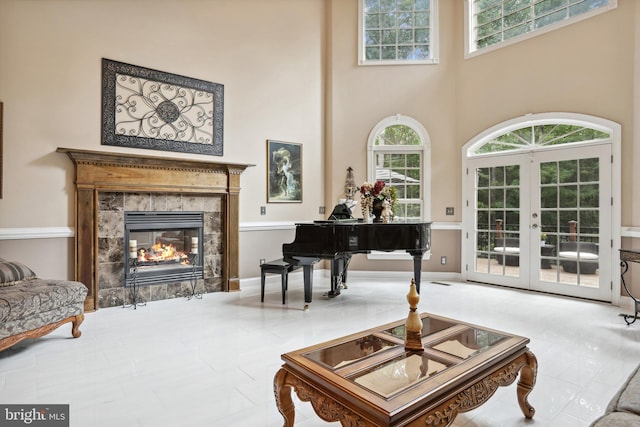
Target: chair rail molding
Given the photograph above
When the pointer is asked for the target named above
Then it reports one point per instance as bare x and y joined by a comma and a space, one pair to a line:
630, 232
23, 233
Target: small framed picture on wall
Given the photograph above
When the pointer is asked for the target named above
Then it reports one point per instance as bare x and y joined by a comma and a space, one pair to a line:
284, 172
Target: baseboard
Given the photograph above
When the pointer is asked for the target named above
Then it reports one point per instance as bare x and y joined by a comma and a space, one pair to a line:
426, 276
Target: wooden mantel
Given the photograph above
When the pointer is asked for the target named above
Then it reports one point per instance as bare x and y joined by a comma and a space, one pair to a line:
97, 171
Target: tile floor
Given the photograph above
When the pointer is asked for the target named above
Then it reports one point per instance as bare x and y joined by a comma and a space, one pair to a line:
211, 362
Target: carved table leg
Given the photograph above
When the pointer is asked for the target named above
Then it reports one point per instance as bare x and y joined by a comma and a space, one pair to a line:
284, 402
324, 406
526, 382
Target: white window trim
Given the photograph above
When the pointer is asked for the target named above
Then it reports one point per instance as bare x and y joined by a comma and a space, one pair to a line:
399, 119
433, 34
469, 35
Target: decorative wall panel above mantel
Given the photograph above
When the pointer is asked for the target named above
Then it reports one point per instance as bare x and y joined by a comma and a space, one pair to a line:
146, 108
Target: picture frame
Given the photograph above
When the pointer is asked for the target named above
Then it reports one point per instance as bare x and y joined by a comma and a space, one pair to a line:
151, 109
284, 172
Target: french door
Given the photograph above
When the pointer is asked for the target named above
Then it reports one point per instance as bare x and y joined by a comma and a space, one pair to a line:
542, 220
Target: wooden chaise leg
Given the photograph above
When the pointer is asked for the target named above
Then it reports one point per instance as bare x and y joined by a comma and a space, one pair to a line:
75, 328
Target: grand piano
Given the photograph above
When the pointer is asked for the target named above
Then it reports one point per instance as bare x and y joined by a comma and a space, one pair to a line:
339, 240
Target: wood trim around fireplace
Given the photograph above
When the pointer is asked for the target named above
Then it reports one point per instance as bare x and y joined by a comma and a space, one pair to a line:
97, 171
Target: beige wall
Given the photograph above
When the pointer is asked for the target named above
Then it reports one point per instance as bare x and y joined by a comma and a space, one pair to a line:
290, 73
584, 68
268, 54
361, 96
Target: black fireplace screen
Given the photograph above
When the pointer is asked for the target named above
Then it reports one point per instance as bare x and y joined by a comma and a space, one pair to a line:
163, 247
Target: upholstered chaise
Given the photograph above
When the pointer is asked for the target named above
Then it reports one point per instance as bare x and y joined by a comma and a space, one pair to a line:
31, 307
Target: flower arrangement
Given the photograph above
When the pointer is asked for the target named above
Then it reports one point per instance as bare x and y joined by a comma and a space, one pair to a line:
378, 190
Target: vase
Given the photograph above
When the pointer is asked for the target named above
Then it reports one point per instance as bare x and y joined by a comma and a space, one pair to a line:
376, 208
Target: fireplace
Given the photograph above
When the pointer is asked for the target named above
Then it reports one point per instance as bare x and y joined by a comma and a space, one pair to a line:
109, 184
162, 247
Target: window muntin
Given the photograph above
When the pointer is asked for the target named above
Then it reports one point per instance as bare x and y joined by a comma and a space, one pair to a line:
538, 136
494, 23
404, 172
400, 156
397, 32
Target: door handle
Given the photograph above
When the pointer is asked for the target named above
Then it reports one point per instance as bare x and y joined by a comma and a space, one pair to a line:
534, 226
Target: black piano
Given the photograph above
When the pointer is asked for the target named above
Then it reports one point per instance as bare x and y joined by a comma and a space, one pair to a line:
339, 240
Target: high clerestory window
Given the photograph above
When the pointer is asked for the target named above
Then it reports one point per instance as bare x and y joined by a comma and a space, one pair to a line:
397, 32
495, 23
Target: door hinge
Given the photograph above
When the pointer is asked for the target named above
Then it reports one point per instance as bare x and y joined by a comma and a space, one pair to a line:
612, 158
612, 201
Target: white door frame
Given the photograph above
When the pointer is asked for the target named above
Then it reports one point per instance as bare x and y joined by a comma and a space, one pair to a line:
610, 127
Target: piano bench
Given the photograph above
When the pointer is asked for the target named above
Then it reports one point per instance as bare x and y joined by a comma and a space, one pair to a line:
277, 266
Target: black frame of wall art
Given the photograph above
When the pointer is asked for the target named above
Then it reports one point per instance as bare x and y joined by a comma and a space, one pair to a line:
146, 108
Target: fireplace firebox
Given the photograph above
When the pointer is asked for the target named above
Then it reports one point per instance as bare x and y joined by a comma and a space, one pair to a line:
163, 247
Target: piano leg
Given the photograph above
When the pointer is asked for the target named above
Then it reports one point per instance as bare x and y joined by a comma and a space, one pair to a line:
345, 268
339, 266
307, 270
417, 267
336, 277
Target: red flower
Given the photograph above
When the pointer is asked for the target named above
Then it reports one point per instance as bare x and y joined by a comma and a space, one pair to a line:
377, 188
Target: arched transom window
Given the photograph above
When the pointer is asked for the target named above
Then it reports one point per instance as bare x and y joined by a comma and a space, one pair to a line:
537, 136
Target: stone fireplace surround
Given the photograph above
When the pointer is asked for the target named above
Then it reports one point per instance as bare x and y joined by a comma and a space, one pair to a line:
102, 179
111, 244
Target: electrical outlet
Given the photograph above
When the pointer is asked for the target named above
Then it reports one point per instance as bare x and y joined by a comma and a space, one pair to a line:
443, 260
321, 210
262, 261
449, 211
263, 210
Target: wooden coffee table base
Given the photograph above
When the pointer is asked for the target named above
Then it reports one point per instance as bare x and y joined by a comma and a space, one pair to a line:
462, 399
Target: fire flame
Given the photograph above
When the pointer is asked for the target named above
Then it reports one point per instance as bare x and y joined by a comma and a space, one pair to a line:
162, 252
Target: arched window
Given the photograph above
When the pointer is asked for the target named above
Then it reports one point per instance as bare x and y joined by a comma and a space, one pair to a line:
545, 130
399, 153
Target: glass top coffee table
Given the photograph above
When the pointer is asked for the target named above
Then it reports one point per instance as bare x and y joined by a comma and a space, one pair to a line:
369, 379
